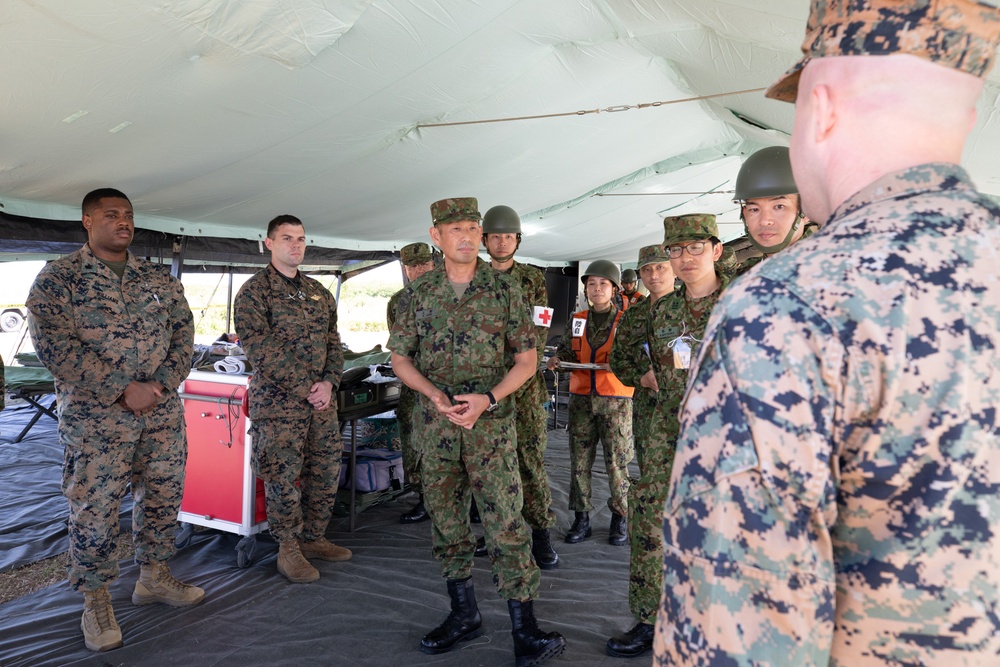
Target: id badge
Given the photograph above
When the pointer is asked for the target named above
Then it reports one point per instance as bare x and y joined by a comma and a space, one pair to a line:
579, 326
682, 354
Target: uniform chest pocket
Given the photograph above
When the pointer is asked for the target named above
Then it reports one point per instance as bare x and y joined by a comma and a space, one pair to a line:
490, 320
96, 314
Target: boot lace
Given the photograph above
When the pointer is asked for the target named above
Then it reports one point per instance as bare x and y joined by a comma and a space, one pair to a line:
101, 607
163, 578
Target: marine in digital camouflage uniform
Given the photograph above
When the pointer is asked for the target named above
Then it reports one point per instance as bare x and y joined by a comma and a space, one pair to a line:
287, 324
770, 205
464, 340
417, 259
836, 489
600, 406
117, 335
654, 345
502, 238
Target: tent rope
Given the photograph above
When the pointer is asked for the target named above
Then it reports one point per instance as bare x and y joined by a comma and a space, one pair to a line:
612, 109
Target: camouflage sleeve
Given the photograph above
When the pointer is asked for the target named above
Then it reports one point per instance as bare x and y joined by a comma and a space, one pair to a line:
58, 346
334, 368
180, 350
539, 296
564, 351
403, 339
629, 361
521, 335
270, 356
752, 494
390, 310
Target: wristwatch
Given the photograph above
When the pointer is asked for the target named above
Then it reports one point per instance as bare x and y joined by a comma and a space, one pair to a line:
493, 402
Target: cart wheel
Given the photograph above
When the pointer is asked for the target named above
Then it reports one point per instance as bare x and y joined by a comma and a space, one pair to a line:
246, 549
183, 537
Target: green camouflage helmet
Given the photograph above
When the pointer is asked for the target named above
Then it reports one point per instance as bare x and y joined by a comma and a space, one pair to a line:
629, 276
456, 209
415, 253
501, 220
653, 254
695, 227
766, 173
603, 269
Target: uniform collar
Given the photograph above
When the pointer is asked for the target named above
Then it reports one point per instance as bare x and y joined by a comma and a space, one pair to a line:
932, 177
92, 264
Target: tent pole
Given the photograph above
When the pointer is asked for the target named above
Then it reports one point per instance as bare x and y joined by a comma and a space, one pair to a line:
229, 302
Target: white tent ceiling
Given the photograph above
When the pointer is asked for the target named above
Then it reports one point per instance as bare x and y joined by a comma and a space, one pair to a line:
216, 115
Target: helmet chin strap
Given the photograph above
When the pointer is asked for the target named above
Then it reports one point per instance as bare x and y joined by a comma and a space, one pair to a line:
771, 249
503, 258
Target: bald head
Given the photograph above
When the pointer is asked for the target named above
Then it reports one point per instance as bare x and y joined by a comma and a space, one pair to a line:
858, 118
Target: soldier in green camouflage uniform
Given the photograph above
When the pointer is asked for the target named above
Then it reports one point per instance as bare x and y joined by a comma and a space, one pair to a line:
770, 205
836, 490
658, 358
287, 324
464, 341
117, 335
600, 406
502, 238
417, 259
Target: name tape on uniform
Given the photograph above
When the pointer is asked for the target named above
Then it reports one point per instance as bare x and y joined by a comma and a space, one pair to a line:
542, 316
579, 326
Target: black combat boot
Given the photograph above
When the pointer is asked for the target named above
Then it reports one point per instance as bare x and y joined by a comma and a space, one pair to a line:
417, 514
633, 643
481, 547
618, 532
462, 624
531, 645
474, 512
541, 549
580, 529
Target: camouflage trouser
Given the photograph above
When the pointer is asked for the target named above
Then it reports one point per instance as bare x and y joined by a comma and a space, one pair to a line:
487, 466
643, 408
102, 455
593, 418
532, 439
411, 455
645, 522
307, 449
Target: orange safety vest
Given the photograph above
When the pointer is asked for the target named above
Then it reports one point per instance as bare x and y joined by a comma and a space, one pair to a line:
600, 383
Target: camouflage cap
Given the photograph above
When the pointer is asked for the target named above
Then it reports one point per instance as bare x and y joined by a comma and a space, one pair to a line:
652, 254
455, 209
962, 34
696, 227
415, 253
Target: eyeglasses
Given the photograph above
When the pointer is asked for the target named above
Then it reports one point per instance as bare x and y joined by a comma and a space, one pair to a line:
694, 249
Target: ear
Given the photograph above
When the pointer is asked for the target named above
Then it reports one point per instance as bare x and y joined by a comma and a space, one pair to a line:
824, 113
87, 221
435, 235
269, 242
717, 251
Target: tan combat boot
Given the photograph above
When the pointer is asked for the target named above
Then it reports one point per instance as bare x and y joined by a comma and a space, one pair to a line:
100, 629
324, 549
294, 565
156, 584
